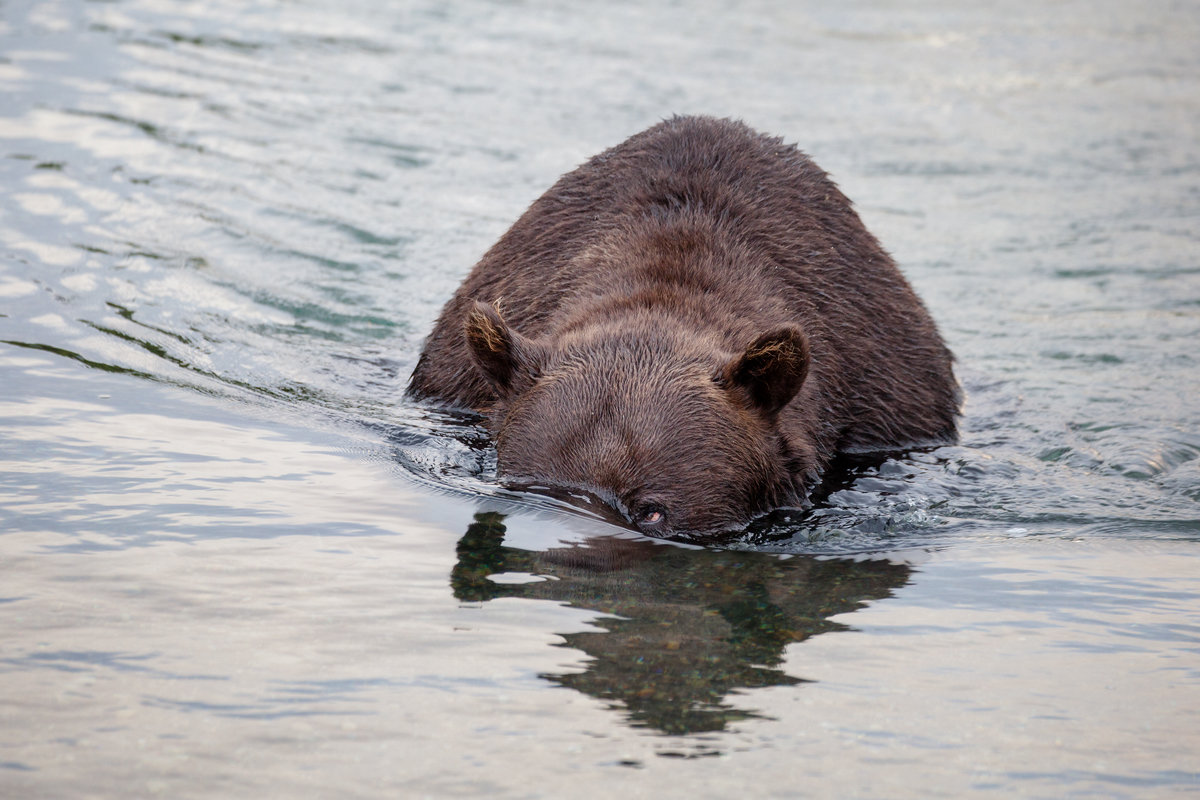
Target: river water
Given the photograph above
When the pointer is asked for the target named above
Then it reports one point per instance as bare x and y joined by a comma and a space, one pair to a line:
236, 562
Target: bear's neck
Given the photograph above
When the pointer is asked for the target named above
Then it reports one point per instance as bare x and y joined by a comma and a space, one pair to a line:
687, 269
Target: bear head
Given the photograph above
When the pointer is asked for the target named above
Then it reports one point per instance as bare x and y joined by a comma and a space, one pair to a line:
672, 432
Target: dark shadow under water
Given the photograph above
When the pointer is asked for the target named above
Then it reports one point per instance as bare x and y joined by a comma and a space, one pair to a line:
680, 629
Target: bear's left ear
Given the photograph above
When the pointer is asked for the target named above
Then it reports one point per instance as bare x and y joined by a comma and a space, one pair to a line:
508, 360
772, 369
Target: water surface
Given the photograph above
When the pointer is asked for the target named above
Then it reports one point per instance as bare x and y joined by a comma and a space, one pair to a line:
236, 561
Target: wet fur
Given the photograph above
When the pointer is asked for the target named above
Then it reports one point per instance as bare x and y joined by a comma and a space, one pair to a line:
701, 262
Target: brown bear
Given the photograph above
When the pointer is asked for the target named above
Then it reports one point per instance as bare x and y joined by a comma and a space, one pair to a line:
689, 327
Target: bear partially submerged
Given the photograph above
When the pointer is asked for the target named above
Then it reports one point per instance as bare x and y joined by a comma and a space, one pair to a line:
689, 327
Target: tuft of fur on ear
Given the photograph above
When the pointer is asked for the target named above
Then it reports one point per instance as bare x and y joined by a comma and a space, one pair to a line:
507, 359
772, 369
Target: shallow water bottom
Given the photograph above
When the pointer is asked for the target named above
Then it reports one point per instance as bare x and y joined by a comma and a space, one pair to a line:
234, 605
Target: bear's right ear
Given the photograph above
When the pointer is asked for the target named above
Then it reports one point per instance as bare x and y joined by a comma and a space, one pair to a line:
508, 360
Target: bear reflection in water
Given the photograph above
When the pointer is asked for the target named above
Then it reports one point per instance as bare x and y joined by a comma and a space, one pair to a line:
682, 628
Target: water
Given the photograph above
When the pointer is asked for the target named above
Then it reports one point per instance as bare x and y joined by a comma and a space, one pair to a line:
235, 561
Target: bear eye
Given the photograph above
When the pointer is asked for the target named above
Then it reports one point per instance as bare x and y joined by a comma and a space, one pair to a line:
650, 515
